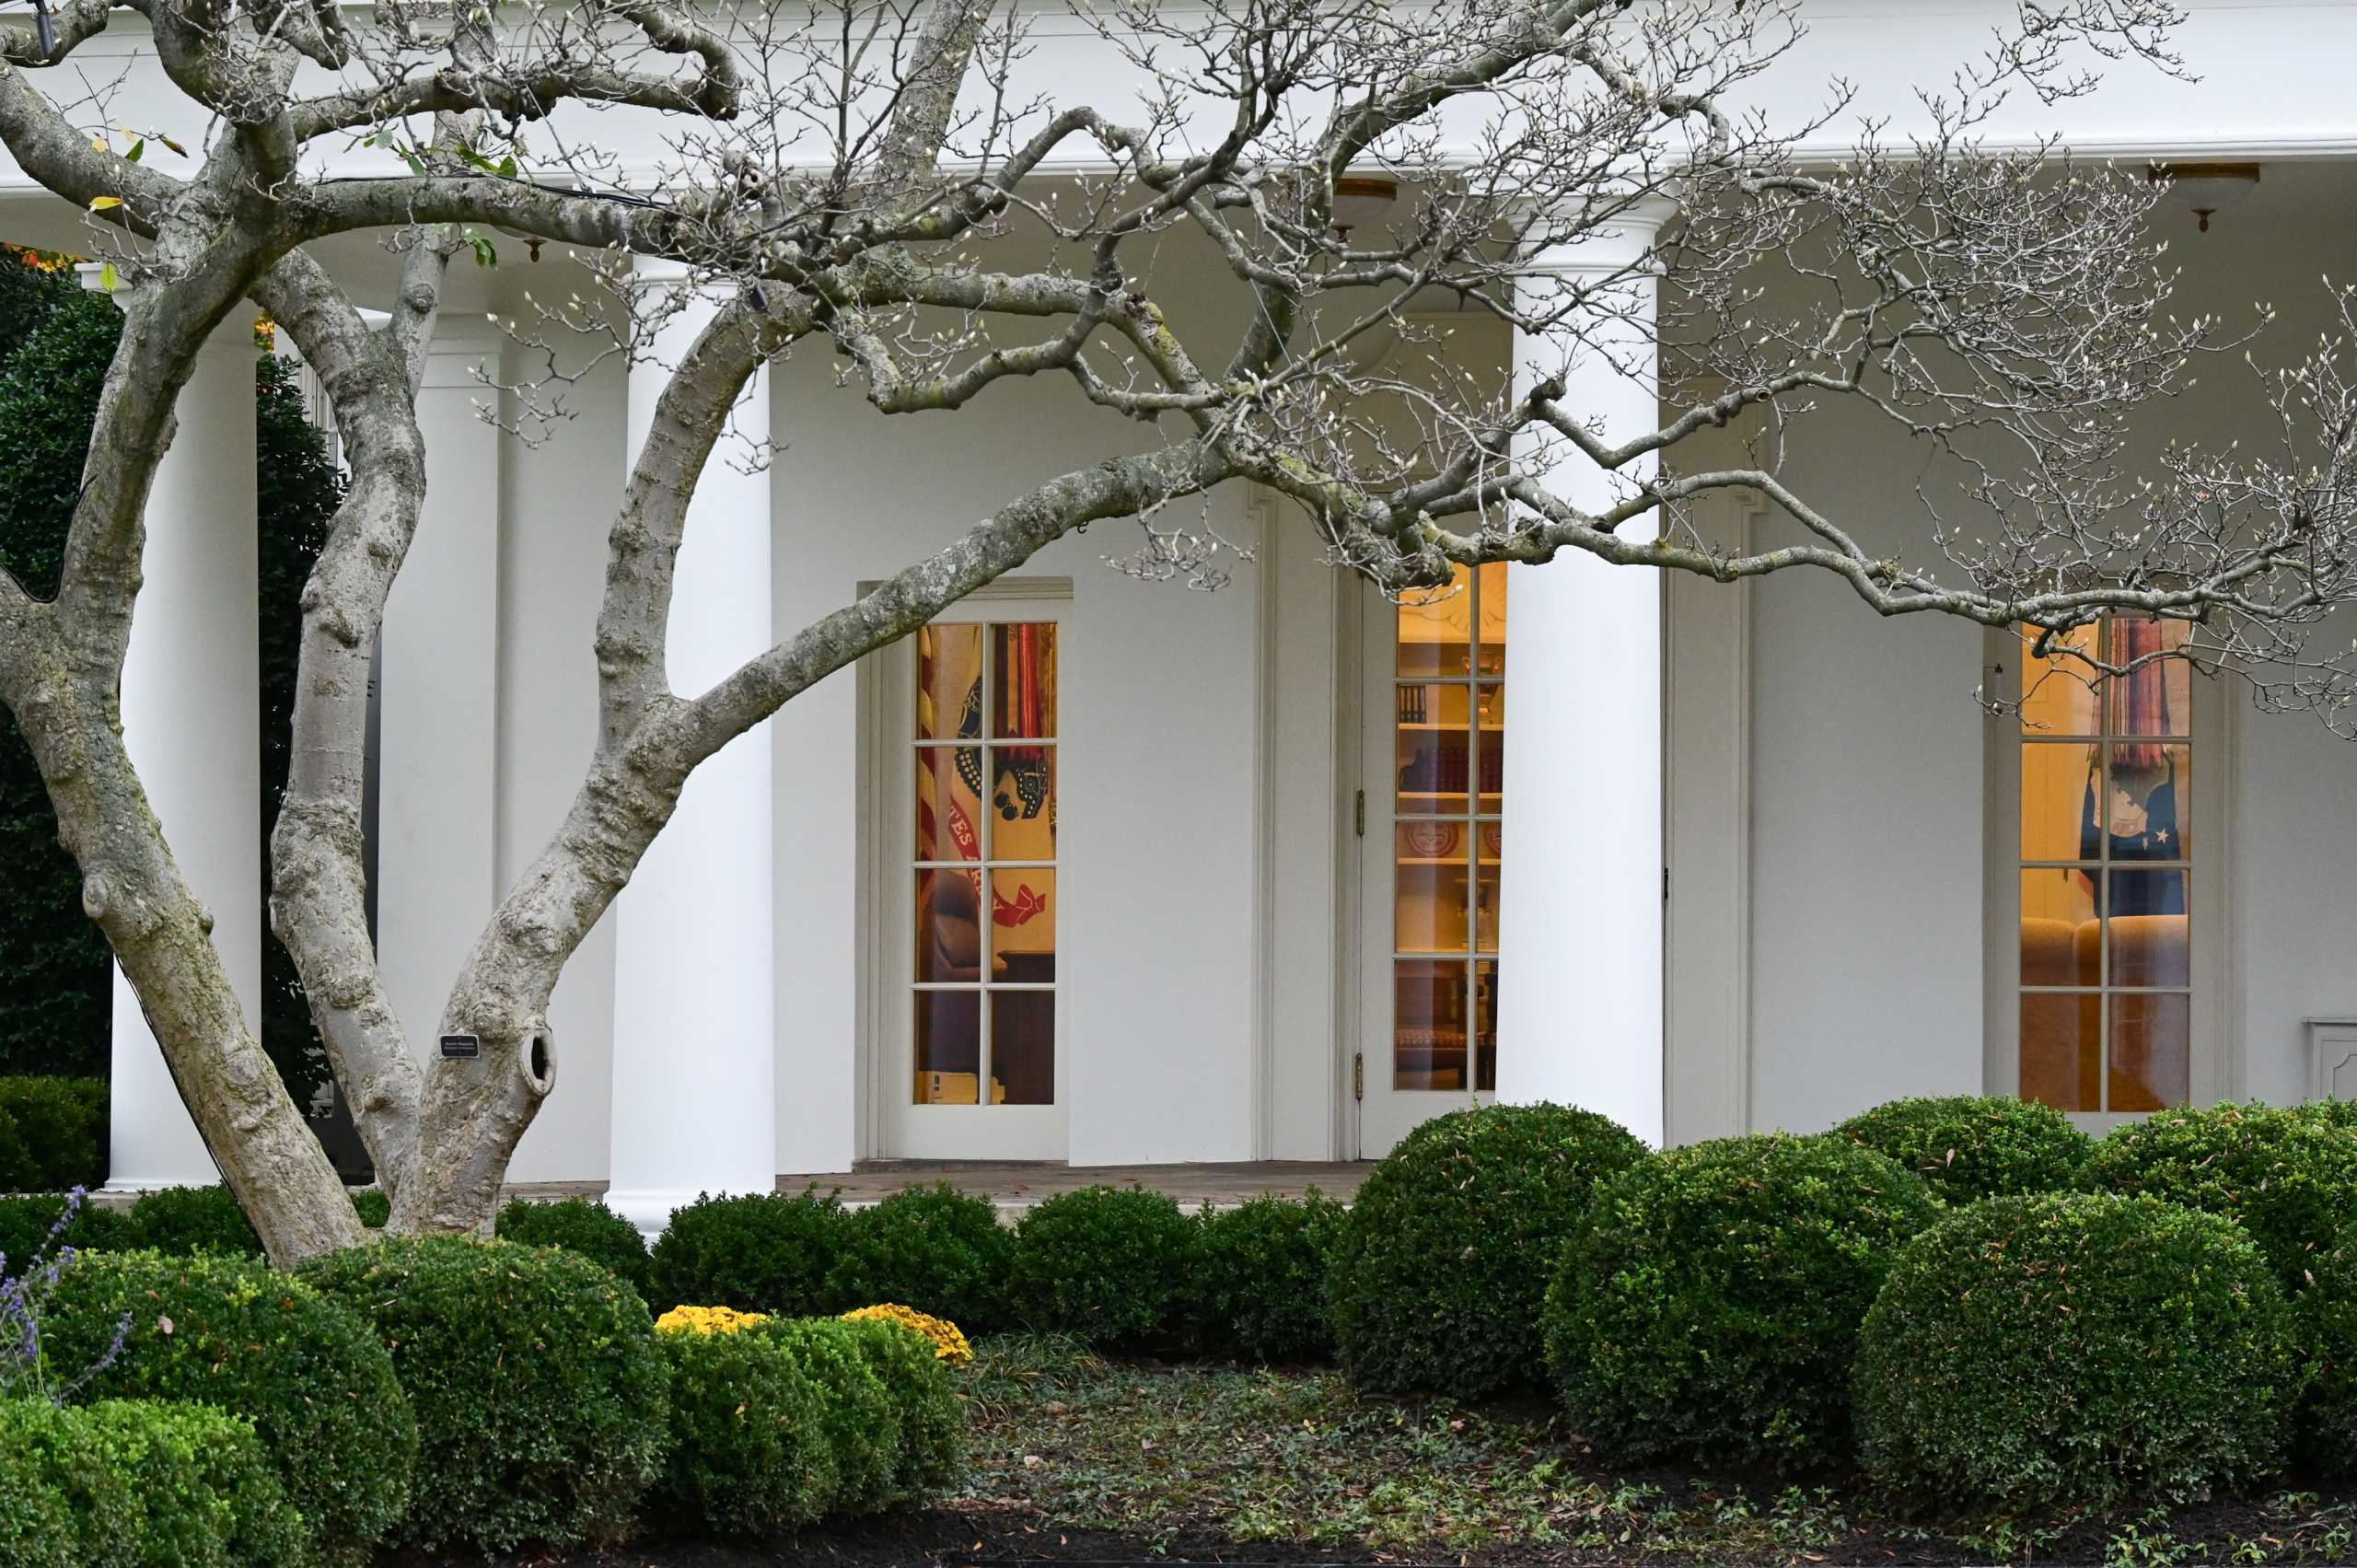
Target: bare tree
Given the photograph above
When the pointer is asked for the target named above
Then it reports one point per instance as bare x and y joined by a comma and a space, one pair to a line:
859, 175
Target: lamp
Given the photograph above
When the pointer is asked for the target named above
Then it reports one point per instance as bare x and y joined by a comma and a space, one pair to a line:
2206, 188
1360, 199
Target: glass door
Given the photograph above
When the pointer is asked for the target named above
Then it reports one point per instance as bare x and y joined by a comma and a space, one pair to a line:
1434, 739
973, 1068
2104, 860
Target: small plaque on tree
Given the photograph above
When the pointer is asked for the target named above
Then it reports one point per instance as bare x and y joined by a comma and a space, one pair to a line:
465, 1046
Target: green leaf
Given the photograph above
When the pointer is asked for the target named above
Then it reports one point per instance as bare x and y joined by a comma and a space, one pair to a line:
507, 166
109, 277
486, 253
136, 149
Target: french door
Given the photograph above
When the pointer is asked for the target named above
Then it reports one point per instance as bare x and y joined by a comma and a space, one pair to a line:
1431, 816
2107, 879
971, 1054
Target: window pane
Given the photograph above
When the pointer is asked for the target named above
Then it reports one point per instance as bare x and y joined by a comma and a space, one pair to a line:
1428, 895
949, 933
1023, 680
1485, 1026
1023, 798
949, 1046
949, 682
1023, 1047
2060, 1065
1437, 629
2151, 1051
949, 781
1491, 711
1434, 705
1491, 655
1487, 838
2149, 949
2057, 698
2150, 802
2059, 930
1432, 765
1023, 923
2158, 698
1428, 1024
2057, 801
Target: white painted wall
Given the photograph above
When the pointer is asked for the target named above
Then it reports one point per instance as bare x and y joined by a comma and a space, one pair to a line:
438, 872
1154, 770
1867, 936
557, 500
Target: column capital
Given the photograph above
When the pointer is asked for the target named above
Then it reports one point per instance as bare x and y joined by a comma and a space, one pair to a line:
1622, 230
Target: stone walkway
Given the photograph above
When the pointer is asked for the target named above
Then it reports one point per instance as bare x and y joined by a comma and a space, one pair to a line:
1015, 1186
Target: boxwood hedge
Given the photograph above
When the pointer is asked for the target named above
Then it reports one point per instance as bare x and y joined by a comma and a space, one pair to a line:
539, 1390
2287, 1175
751, 1456
1707, 1305
1444, 1259
306, 1372
2071, 1351
930, 1247
1108, 1265
1972, 1147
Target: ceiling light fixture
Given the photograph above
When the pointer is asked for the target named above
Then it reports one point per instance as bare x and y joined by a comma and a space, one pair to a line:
2205, 187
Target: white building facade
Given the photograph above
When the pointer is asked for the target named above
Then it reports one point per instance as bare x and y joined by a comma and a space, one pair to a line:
1103, 871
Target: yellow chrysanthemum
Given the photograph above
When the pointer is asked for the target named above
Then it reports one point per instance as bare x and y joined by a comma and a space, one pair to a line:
948, 1340
707, 1320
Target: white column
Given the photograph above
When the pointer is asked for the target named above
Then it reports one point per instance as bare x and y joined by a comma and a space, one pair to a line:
694, 993
1580, 900
191, 721
437, 788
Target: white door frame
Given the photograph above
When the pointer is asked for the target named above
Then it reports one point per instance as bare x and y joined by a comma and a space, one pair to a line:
1384, 1114
893, 1126
2216, 1050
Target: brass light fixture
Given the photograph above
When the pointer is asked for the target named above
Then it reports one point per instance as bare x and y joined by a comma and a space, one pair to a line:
2203, 188
1360, 199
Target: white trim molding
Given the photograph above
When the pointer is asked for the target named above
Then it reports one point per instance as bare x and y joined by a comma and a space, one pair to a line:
2332, 1058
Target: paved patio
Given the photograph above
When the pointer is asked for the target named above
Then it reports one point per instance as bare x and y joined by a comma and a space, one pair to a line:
1017, 1185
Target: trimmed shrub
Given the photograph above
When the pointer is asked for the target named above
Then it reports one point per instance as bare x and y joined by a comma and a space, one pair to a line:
583, 1225
539, 1387
1264, 1277
1973, 1146
305, 1371
2288, 1177
185, 1220
1444, 1259
2324, 1318
1708, 1304
24, 1225
155, 1486
53, 1131
751, 1454
2073, 1351
931, 1248
924, 1397
1108, 1265
862, 1424
761, 1252
36, 1527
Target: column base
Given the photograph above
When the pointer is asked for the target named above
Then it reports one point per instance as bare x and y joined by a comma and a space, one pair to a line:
651, 1212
